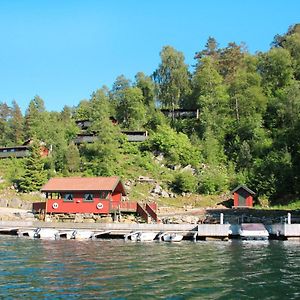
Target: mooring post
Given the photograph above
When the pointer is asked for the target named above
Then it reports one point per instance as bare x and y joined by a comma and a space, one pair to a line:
221, 218
289, 220
195, 236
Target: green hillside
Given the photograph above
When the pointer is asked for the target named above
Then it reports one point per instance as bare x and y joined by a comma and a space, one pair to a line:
243, 129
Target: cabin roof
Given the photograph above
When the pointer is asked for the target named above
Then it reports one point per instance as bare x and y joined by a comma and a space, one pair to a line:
68, 184
14, 147
243, 187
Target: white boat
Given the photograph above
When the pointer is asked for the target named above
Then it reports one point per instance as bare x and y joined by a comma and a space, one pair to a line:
46, 233
172, 237
141, 236
29, 233
67, 234
83, 234
146, 236
253, 231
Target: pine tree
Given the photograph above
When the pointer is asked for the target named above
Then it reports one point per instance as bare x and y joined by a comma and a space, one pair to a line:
35, 175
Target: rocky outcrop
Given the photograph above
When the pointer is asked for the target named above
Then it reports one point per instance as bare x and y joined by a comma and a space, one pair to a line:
15, 203
14, 214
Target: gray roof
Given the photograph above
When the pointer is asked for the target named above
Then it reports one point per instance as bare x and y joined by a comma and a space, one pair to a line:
243, 187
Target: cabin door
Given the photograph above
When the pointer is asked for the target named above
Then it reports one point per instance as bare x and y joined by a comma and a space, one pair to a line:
242, 200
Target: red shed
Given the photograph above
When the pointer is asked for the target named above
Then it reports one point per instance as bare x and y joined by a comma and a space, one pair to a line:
98, 195
242, 196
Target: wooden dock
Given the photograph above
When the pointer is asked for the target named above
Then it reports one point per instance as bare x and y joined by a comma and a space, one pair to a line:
120, 230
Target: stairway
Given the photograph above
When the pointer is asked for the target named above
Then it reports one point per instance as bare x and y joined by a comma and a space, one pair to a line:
148, 212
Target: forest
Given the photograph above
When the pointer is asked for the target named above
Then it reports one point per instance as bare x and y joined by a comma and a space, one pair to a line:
248, 130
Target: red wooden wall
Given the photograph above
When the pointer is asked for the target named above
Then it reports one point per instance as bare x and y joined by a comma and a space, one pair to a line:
79, 205
249, 200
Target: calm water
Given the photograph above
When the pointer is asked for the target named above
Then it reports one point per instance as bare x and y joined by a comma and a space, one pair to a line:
105, 269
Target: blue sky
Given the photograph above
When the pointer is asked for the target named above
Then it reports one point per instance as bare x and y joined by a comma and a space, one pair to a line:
64, 50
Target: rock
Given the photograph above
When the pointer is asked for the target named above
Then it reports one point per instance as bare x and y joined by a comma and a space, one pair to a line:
189, 169
15, 203
145, 179
79, 218
89, 220
153, 195
105, 220
3, 203
157, 189
191, 219
127, 221
165, 194
26, 205
159, 157
88, 216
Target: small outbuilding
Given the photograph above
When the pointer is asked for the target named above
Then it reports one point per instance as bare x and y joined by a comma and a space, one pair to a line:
242, 196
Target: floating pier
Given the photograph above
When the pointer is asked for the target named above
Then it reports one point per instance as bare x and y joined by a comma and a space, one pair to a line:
222, 231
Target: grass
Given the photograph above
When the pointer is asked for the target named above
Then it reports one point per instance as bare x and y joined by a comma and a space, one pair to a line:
291, 206
10, 194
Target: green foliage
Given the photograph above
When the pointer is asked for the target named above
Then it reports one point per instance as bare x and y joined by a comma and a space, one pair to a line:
248, 130
276, 69
130, 109
272, 176
185, 182
35, 175
172, 78
72, 157
147, 86
213, 180
12, 170
176, 147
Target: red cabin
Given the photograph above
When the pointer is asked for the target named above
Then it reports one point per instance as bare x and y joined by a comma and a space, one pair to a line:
98, 195
242, 196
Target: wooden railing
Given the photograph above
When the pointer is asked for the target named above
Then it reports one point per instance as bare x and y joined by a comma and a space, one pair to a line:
124, 206
151, 210
142, 212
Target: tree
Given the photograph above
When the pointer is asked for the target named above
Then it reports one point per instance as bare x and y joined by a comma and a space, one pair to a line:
230, 60
276, 70
147, 86
36, 122
16, 124
101, 157
35, 175
120, 83
211, 50
4, 116
83, 110
185, 182
291, 42
172, 78
72, 157
176, 147
210, 97
131, 112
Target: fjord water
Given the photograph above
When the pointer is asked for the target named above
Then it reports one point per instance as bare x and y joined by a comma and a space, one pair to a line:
114, 269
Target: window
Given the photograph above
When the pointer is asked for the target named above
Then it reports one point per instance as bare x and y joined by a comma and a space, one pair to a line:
104, 194
68, 198
88, 198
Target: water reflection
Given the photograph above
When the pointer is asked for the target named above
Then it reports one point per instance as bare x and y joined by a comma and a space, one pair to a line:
114, 269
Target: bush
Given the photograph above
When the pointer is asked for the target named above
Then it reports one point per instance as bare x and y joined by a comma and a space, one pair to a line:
176, 147
184, 182
213, 180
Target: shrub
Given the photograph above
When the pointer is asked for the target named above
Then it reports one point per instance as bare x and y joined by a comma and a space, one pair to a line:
213, 180
184, 182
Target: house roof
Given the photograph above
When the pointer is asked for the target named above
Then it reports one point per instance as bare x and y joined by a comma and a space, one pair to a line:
243, 187
68, 184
